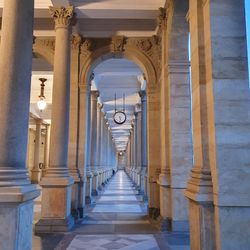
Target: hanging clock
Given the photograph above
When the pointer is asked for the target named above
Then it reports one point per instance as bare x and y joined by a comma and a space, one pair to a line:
119, 117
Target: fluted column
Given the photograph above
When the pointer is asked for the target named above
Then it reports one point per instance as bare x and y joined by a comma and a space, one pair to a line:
16, 192
93, 142
56, 184
46, 150
36, 171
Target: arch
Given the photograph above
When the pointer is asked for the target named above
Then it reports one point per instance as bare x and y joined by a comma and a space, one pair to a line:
131, 53
44, 49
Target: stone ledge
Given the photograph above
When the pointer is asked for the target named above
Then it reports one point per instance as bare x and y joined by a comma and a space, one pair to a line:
18, 194
57, 181
54, 225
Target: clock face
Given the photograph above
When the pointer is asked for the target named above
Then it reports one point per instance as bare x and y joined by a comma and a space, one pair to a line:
119, 117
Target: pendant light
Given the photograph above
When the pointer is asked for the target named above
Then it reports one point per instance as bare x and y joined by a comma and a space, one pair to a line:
41, 104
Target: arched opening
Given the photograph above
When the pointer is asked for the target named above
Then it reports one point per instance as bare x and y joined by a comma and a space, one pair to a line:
116, 86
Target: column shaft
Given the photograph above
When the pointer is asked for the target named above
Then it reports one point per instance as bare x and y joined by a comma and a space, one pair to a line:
36, 172
46, 150
16, 193
56, 201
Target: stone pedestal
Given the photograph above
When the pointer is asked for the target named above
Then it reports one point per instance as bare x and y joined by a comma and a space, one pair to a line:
95, 182
16, 215
88, 193
56, 206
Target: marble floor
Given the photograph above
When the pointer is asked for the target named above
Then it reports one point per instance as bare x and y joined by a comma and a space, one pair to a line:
116, 219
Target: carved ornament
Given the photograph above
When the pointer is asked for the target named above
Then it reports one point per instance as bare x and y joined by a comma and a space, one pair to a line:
76, 40
62, 15
117, 44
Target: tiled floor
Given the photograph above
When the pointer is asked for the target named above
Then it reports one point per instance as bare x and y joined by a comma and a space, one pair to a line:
117, 219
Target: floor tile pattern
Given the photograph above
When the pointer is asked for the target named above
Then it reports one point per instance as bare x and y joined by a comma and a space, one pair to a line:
116, 219
106, 242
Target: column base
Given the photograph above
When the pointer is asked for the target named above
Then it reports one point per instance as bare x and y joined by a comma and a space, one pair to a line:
94, 192
16, 215
81, 211
153, 212
75, 214
54, 225
35, 176
165, 224
56, 205
88, 200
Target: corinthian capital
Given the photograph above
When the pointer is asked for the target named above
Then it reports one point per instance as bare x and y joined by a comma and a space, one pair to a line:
62, 15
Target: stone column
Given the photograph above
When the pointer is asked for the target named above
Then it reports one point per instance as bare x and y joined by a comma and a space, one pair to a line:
73, 124
200, 188
36, 171
180, 156
132, 151
83, 144
99, 145
180, 143
138, 147
89, 175
93, 141
221, 129
98, 134
46, 150
135, 149
16, 192
153, 149
102, 146
143, 175
56, 193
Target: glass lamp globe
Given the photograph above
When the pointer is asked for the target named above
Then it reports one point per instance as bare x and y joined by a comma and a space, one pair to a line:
41, 104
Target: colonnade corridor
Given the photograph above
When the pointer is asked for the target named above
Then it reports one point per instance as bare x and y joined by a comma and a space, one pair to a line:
117, 219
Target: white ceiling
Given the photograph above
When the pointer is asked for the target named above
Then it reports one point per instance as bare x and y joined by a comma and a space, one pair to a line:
101, 18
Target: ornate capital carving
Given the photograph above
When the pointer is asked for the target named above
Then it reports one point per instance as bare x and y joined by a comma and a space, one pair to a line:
94, 94
162, 17
117, 44
62, 16
76, 40
144, 44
